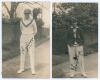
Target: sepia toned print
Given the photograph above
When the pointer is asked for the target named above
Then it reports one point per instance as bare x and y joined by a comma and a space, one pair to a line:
75, 40
25, 36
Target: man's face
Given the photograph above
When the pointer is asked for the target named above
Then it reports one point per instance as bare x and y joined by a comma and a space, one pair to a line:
27, 15
74, 25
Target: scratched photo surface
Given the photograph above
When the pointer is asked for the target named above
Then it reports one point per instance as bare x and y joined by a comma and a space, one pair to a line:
12, 38
64, 17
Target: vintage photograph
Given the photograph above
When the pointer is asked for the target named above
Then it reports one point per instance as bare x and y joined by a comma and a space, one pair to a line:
75, 40
25, 39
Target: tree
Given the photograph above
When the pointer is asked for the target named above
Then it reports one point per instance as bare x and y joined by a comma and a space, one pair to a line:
14, 5
12, 11
86, 15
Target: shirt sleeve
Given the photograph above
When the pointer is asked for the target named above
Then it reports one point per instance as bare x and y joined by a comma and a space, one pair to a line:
21, 24
35, 27
81, 36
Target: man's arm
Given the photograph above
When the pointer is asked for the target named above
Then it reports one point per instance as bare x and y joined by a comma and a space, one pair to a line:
20, 23
35, 28
68, 37
81, 36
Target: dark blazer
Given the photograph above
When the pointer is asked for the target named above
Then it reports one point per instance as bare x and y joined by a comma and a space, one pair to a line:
79, 37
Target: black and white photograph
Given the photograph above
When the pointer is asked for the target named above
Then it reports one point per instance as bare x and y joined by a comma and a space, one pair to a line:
74, 40
50, 39
25, 39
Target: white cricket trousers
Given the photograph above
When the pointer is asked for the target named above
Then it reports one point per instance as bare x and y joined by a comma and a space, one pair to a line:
24, 41
76, 50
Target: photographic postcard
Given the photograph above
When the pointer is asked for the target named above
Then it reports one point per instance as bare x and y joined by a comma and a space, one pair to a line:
25, 39
75, 40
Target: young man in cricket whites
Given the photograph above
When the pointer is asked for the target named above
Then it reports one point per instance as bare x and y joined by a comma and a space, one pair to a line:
75, 43
27, 42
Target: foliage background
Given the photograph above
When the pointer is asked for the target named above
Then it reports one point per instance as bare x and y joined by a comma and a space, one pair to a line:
64, 14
